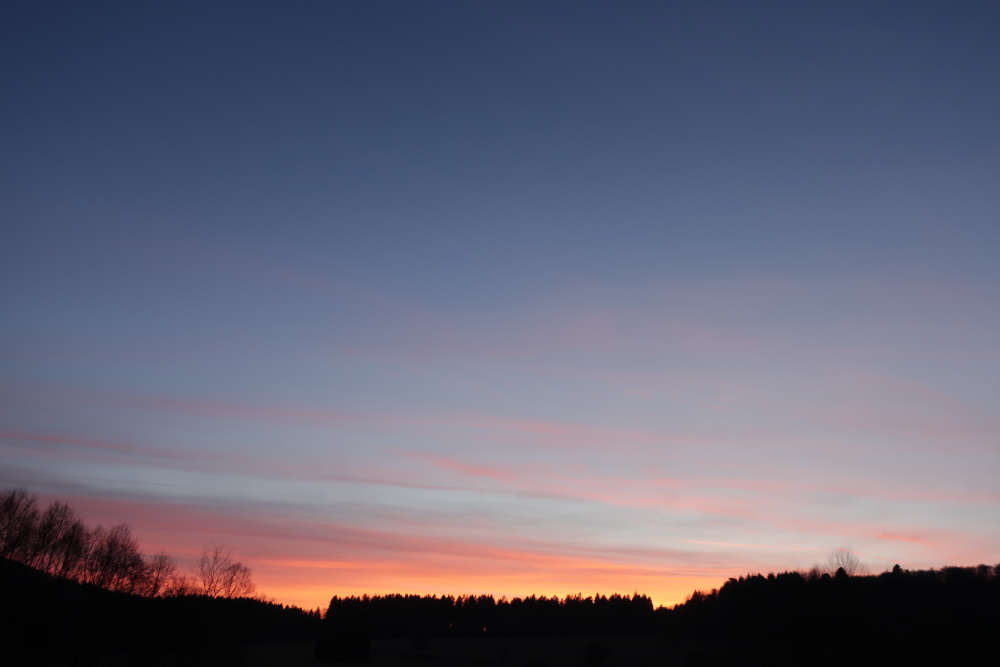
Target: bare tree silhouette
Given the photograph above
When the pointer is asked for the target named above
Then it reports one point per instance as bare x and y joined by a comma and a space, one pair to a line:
161, 571
847, 560
18, 516
114, 561
218, 575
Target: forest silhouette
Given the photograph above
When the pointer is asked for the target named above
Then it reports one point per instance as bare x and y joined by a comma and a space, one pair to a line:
74, 595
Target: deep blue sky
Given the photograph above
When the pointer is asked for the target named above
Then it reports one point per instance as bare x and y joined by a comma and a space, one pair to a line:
556, 255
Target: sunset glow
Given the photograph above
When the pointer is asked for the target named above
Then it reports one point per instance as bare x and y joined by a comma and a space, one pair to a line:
527, 298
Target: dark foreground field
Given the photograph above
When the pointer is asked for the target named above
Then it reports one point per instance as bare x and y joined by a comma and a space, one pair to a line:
611, 650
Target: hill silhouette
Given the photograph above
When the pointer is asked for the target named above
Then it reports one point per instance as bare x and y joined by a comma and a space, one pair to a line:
47, 620
72, 595
935, 617
944, 616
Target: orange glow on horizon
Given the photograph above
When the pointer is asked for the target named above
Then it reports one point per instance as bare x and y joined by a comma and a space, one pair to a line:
311, 584
306, 560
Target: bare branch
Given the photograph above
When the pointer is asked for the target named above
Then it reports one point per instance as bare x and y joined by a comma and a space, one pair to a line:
160, 571
848, 561
218, 575
18, 520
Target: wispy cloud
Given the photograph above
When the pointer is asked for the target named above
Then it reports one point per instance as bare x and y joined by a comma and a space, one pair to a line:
900, 537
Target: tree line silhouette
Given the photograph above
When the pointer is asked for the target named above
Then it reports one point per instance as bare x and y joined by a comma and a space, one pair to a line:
46, 620
352, 622
939, 617
72, 595
58, 542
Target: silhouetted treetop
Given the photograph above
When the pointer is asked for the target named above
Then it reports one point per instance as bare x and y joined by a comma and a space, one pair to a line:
59, 543
398, 615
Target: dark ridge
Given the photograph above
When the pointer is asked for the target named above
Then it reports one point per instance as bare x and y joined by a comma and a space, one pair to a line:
45, 620
929, 617
940, 617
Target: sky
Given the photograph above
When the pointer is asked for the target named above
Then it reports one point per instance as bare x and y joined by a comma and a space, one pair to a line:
506, 298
